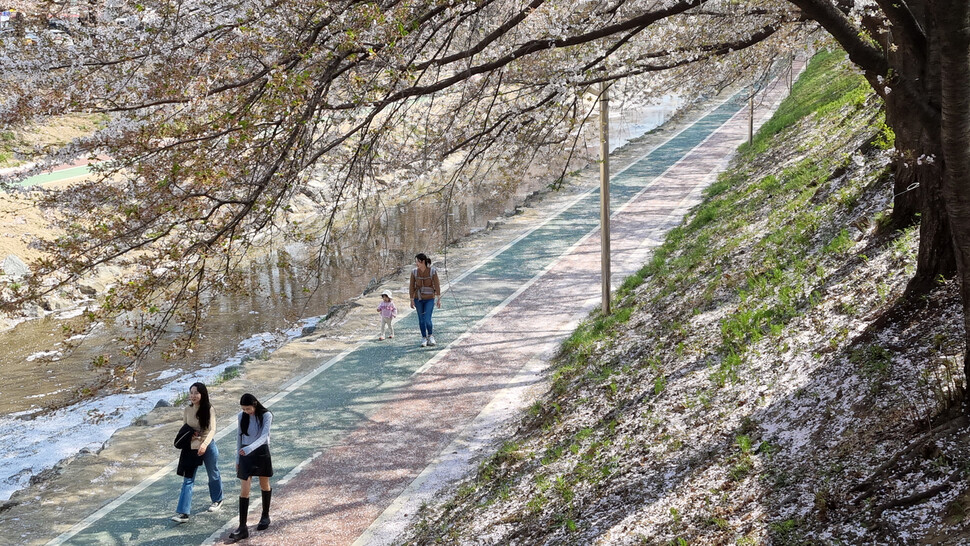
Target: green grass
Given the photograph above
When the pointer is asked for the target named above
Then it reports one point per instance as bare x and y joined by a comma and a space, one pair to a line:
728, 371
820, 90
839, 244
490, 468
886, 139
873, 361
230, 372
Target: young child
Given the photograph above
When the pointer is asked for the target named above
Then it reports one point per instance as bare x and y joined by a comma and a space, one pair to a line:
388, 312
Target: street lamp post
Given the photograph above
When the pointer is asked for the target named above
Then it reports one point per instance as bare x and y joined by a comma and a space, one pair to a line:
751, 118
604, 101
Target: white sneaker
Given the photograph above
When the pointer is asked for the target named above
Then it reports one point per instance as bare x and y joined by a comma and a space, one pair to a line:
431, 341
214, 507
180, 518
424, 342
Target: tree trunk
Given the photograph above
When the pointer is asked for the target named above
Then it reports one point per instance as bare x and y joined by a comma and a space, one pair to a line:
908, 62
952, 18
917, 187
936, 255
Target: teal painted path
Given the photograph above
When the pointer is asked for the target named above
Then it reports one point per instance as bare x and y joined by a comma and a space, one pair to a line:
55, 176
316, 412
63, 173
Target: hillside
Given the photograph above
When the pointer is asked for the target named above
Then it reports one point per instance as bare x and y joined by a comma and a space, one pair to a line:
761, 380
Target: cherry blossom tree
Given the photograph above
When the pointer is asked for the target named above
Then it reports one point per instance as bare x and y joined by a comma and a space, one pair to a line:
221, 113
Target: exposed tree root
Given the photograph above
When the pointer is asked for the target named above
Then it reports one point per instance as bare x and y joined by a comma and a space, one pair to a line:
916, 498
866, 485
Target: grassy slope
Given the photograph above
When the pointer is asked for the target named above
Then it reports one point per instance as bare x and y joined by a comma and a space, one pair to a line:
742, 392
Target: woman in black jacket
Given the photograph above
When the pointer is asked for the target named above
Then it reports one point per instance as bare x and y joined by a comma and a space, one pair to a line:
200, 419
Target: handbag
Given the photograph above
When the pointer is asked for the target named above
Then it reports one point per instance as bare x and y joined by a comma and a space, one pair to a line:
183, 439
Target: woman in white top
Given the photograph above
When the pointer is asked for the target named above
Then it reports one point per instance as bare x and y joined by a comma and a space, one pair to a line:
252, 459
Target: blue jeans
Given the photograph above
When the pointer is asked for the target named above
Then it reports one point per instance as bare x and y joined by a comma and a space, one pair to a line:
424, 309
211, 461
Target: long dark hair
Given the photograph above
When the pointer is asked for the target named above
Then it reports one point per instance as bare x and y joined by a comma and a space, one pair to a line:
250, 400
424, 258
204, 411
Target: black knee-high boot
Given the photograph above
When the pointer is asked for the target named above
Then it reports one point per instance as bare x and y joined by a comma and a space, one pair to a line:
264, 520
241, 532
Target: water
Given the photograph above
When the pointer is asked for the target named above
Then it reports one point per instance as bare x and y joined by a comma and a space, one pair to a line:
36, 376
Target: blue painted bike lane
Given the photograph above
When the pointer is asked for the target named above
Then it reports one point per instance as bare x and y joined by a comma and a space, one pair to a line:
314, 412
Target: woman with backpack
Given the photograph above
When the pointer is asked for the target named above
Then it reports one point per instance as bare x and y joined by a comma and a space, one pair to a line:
425, 288
252, 459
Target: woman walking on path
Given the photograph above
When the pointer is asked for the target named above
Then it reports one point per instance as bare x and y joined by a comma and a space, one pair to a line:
252, 459
200, 415
425, 288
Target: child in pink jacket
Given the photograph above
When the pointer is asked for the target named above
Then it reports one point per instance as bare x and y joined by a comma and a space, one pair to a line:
388, 312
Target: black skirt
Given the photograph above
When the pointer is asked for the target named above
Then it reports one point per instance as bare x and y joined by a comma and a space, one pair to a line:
257, 463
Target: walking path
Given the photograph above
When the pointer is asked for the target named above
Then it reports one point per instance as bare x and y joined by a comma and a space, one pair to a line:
353, 439
62, 173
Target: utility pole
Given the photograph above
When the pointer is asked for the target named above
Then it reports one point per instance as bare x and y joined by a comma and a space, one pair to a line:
751, 118
791, 72
605, 193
